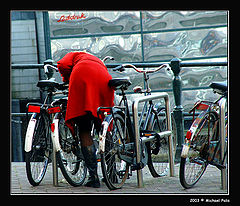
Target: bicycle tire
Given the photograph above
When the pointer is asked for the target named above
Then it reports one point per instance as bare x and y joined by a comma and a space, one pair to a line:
194, 165
115, 171
37, 158
182, 177
158, 162
70, 158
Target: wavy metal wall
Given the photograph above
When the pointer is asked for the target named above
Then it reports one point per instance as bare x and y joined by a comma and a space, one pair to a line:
148, 36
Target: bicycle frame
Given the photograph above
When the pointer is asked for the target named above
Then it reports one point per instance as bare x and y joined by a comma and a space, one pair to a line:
145, 137
124, 110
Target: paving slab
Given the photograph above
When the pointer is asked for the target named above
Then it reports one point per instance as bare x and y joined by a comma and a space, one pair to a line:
210, 183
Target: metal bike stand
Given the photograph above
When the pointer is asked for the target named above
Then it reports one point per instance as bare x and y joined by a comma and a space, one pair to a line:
222, 104
54, 159
165, 133
54, 168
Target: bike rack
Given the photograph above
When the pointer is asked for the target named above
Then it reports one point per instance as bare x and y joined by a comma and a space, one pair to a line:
54, 158
165, 133
54, 168
222, 105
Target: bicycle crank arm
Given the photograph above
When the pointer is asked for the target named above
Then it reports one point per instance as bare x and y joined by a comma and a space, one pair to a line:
219, 166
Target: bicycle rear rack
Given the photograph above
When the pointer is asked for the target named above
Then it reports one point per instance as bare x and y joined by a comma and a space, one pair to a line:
162, 95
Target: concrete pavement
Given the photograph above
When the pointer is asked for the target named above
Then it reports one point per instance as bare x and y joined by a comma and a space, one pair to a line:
210, 183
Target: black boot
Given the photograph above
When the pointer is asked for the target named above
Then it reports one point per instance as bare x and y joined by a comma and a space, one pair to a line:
89, 154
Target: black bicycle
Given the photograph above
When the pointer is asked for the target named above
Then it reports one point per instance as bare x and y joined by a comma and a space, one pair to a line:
117, 140
67, 144
38, 141
47, 130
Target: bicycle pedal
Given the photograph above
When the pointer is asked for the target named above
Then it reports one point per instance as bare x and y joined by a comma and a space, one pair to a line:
147, 133
219, 166
137, 166
121, 174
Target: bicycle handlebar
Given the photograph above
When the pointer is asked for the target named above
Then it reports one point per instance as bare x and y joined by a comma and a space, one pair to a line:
49, 65
60, 86
122, 67
56, 69
107, 57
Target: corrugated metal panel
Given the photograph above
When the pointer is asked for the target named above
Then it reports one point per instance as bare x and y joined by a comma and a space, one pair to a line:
189, 35
24, 51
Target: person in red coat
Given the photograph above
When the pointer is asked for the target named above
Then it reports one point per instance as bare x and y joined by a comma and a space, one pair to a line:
88, 89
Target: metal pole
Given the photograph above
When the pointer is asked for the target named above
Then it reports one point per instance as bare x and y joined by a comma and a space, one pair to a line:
54, 159
178, 109
54, 168
137, 142
222, 104
170, 142
46, 30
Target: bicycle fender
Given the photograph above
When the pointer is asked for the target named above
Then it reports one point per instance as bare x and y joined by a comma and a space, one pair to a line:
102, 136
185, 150
55, 135
29, 133
190, 134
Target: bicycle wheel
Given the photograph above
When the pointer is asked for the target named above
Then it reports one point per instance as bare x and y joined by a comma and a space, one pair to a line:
194, 165
115, 171
158, 162
70, 158
38, 157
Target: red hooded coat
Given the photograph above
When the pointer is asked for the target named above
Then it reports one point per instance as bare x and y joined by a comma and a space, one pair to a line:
88, 84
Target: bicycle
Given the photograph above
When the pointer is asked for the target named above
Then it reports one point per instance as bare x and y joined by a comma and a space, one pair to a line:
67, 145
202, 141
117, 140
38, 141
47, 129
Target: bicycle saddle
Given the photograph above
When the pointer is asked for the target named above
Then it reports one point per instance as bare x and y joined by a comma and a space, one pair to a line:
47, 84
118, 83
221, 87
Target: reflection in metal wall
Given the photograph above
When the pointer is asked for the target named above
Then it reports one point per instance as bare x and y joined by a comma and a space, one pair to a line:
129, 21
158, 46
148, 36
122, 48
185, 44
95, 22
154, 20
